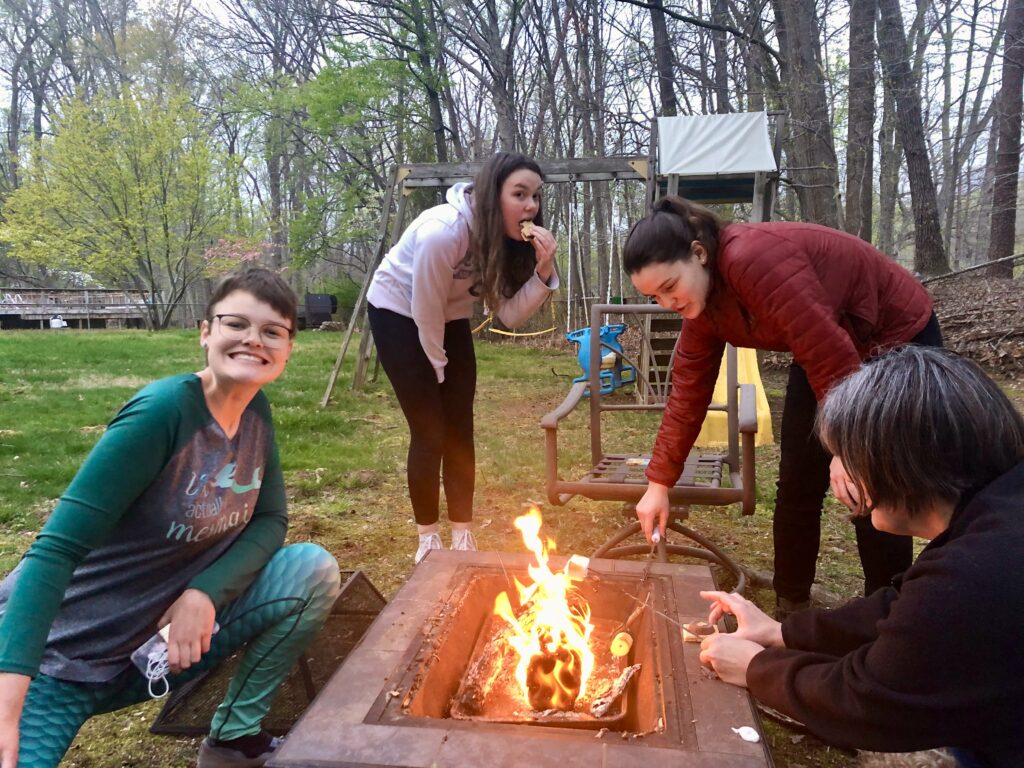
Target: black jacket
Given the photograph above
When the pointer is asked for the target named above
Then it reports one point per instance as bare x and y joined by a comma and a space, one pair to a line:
936, 661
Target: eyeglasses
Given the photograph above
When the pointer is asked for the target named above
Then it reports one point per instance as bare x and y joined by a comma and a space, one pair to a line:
236, 328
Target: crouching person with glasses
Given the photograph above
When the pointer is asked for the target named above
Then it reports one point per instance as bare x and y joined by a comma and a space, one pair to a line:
166, 554
932, 448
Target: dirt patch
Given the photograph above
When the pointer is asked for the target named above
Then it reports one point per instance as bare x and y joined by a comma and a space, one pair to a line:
102, 381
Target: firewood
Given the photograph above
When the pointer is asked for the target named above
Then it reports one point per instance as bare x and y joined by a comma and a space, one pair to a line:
601, 704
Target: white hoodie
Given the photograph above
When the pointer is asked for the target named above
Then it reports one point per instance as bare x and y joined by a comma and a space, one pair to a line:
427, 276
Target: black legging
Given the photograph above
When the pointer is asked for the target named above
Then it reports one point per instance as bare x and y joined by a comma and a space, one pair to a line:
803, 481
440, 416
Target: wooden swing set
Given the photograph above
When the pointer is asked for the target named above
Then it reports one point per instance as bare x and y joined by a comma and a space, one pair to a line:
407, 178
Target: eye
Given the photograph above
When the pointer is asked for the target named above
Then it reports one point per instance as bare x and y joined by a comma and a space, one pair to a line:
235, 323
274, 332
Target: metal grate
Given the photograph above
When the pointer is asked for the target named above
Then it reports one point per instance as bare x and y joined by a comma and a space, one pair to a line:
189, 709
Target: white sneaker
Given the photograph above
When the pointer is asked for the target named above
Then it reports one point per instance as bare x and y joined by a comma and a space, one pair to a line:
462, 540
428, 541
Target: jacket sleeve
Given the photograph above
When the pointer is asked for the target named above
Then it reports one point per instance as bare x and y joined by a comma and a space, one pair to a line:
527, 300
939, 671
779, 285
698, 357
115, 473
841, 630
232, 572
437, 252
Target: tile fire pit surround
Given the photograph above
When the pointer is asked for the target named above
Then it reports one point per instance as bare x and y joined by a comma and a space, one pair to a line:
386, 704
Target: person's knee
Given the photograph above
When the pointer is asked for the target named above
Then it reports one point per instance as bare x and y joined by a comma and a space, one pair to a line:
313, 568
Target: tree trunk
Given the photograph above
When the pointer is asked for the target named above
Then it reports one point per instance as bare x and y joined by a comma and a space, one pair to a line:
720, 16
929, 253
1007, 167
664, 61
860, 134
888, 176
812, 155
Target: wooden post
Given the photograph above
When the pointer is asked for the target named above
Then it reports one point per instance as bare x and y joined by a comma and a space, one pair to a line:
357, 309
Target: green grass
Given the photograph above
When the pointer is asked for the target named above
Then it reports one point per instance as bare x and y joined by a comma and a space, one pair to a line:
344, 469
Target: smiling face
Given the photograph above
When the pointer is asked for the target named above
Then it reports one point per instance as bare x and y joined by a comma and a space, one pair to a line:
248, 356
520, 200
679, 286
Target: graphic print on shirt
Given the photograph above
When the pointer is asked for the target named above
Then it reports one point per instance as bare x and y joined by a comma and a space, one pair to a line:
211, 507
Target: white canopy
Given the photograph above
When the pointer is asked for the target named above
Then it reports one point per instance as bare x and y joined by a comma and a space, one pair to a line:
711, 145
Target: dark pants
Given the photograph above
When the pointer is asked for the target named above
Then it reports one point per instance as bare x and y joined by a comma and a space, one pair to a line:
803, 482
440, 416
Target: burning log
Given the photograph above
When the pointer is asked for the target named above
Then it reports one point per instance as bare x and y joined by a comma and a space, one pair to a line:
603, 703
553, 678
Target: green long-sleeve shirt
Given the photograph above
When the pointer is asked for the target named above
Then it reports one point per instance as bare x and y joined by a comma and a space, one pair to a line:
164, 502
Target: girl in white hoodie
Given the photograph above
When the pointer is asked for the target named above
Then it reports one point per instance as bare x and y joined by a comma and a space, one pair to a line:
486, 242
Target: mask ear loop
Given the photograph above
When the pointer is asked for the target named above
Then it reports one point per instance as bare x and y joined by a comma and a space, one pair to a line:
156, 672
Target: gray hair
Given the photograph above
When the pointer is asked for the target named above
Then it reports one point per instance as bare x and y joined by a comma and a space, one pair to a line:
919, 425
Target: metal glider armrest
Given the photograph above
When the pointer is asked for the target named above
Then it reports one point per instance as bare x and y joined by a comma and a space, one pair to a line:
550, 424
748, 429
551, 419
748, 408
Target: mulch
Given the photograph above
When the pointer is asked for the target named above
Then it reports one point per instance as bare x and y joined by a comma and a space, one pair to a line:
983, 318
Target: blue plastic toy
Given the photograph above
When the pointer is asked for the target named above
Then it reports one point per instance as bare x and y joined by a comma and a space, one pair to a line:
614, 374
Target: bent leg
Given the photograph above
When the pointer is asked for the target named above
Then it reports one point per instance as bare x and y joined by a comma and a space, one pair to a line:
419, 395
54, 712
278, 616
457, 393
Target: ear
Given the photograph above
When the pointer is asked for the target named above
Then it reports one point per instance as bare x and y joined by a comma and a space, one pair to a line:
204, 334
699, 252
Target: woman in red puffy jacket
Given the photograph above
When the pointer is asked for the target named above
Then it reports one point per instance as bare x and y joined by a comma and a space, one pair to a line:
830, 299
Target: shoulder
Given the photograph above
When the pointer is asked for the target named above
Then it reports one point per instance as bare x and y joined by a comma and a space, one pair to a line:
440, 225
172, 395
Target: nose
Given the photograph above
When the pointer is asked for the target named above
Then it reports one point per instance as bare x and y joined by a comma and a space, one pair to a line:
253, 335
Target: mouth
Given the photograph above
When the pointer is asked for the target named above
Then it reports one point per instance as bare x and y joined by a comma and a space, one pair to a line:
248, 357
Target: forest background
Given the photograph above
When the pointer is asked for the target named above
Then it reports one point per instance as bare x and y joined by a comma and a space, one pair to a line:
154, 145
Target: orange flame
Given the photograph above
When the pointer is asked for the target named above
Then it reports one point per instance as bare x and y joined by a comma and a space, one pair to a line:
551, 632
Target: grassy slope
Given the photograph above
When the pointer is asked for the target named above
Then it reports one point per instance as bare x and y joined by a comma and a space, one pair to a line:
344, 471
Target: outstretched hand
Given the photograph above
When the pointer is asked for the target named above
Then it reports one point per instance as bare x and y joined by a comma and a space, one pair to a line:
652, 510
752, 623
544, 246
729, 656
191, 617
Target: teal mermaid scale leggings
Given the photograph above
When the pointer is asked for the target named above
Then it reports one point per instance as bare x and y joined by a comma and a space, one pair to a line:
277, 617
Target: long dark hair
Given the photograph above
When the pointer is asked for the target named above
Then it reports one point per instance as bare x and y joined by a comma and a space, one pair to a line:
502, 265
666, 233
919, 425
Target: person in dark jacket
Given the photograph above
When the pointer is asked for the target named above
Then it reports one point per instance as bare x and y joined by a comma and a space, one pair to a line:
826, 296
930, 447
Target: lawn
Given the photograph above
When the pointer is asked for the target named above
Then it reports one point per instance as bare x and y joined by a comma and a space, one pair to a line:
344, 468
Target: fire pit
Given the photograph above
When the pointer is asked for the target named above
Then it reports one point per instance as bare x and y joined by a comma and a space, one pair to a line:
422, 688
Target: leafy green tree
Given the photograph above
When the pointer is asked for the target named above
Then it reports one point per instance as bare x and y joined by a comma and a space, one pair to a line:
127, 190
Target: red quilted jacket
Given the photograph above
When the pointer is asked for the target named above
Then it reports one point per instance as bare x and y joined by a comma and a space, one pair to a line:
826, 296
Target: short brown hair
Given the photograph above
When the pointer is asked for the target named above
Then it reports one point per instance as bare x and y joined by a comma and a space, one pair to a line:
667, 232
920, 425
269, 287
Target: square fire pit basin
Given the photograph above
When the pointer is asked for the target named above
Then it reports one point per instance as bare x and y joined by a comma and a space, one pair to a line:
387, 704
